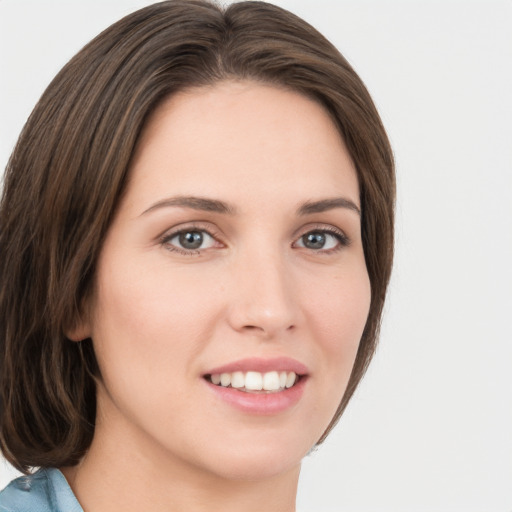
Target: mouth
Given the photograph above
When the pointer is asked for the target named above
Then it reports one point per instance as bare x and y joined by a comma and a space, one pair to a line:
259, 386
255, 382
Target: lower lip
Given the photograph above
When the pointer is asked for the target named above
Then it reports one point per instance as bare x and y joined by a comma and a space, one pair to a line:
260, 403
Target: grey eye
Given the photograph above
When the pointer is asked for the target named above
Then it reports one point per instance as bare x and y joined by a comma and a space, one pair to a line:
314, 240
190, 239
321, 240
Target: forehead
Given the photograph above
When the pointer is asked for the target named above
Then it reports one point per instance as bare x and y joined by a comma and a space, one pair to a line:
236, 138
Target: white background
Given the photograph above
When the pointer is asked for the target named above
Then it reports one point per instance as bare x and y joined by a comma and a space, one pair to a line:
430, 429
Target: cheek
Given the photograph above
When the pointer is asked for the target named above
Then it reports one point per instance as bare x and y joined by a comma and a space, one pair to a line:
339, 311
148, 332
337, 318
146, 324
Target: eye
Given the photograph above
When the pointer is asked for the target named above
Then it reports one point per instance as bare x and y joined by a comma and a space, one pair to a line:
325, 240
189, 240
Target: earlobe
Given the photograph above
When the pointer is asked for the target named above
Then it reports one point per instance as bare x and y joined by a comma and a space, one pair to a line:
79, 331
79, 326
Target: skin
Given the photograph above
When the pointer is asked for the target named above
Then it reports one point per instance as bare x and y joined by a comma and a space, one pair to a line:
160, 317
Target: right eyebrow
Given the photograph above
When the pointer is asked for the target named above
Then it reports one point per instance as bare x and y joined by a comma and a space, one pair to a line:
196, 203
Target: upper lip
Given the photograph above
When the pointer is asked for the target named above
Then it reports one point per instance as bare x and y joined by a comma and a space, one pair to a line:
261, 365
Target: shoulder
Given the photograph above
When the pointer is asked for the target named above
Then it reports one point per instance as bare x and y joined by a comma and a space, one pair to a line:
44, 491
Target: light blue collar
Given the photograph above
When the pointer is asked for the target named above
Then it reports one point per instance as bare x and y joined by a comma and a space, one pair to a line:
47, 490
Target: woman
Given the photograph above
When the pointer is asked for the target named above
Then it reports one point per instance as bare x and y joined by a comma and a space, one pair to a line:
196, 240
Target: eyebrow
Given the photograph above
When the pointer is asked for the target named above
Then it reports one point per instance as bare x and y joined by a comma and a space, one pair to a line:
195, 203
214, 205
327, 204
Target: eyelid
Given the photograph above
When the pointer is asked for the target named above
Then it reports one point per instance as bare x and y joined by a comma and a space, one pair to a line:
215, 233
169, 234
189, 226
320, 226
342, 237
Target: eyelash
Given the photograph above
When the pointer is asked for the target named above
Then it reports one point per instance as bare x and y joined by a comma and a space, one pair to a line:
194, 228
342, 239
340, 236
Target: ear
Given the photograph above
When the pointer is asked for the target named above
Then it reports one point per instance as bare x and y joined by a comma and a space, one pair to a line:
79, 330
79, 325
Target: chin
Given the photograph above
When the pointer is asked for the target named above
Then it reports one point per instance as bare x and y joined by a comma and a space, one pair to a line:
261, 457
260, 466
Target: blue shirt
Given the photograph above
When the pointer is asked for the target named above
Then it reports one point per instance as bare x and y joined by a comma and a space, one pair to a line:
47, 490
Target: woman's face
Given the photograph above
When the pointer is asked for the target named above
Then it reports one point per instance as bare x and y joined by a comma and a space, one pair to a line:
235, 255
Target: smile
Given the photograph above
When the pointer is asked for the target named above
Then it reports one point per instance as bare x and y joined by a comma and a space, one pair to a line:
254, 381
259, 386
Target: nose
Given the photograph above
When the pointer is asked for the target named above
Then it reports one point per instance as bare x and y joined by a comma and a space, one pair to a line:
263, 301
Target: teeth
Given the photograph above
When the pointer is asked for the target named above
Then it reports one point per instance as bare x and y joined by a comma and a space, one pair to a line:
255, 381
290, 380
225, 379
237, 380
271, 381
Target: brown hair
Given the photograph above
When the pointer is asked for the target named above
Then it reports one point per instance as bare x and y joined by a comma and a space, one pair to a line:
69, 169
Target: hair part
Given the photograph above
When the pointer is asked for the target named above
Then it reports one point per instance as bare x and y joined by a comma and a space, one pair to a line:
70, 167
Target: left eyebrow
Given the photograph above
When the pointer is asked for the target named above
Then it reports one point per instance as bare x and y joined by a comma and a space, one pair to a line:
327, 204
